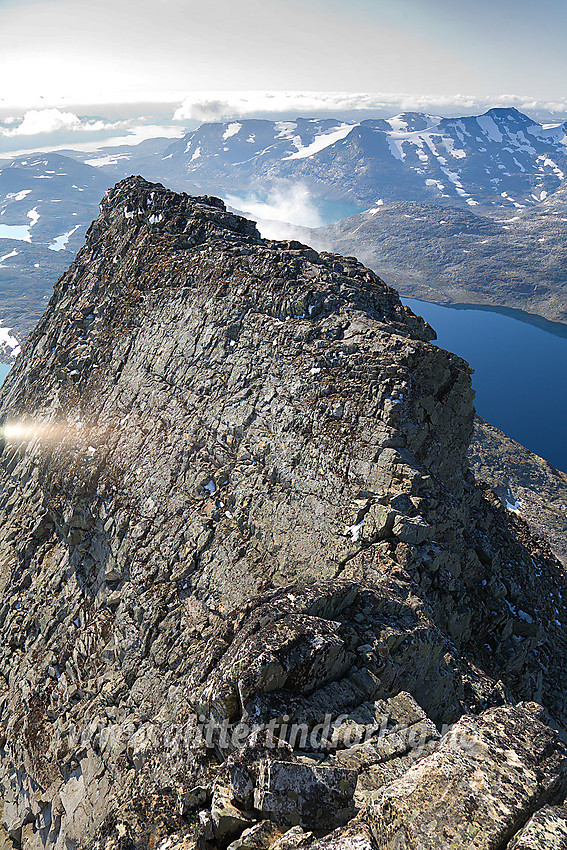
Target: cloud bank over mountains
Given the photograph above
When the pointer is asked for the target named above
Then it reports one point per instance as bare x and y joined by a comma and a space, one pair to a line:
220, 106
171, 114
55, 128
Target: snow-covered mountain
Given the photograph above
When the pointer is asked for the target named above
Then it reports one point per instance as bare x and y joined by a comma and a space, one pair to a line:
42, 193
500, 158
121, 161
485, 167
46, 204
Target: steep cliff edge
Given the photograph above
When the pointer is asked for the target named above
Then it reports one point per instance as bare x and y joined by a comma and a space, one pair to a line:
527, 483
234, 491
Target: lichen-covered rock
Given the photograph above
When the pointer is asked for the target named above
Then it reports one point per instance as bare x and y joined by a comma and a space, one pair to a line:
188, 839
477, 790
227, 818
261, 836
356, 836
546, 829
305, 795
144, 823
294, 838
244, 764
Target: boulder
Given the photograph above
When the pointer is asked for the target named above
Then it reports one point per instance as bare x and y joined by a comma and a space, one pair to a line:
261, 836
488, 775
307, 795
546, 829
228, 820
294, 838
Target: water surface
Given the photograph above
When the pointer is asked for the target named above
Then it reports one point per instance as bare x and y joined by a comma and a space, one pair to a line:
520, 370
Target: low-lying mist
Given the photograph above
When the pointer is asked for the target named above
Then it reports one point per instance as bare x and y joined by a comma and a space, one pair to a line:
279, 210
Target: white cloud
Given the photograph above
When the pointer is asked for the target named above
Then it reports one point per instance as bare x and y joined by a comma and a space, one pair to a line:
46, 121
289, 203
224, 105
135, 135
215, 106
42, 121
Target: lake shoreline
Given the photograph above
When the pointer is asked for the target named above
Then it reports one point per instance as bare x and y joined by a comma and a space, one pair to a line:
508, 398
535, 319
517, 366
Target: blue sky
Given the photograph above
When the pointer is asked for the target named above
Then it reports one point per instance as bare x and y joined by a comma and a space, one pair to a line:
54, 49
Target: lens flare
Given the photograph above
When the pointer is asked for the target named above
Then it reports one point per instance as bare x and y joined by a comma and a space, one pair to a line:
54, 432
18, 432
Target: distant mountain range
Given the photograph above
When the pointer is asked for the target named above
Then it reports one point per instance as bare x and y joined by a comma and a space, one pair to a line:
46, 204
502, 158
452, 209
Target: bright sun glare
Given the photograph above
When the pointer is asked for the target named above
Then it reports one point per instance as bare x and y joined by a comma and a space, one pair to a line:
27, 431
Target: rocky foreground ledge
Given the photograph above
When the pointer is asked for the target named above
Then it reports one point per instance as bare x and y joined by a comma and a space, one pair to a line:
252, 596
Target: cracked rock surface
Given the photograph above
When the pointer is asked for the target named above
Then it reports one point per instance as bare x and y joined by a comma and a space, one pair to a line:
251, 594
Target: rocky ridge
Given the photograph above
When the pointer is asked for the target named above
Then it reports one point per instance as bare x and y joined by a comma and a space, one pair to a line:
252, 595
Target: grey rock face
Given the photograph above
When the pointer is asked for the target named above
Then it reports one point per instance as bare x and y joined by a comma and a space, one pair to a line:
515, 473
238, 530
305, 795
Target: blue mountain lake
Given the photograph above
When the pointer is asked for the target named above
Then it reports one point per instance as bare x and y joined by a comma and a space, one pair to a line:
520, 364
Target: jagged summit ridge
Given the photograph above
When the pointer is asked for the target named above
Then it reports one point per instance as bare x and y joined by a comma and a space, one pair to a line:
137, 278
140, 201
134, 204
239, 492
